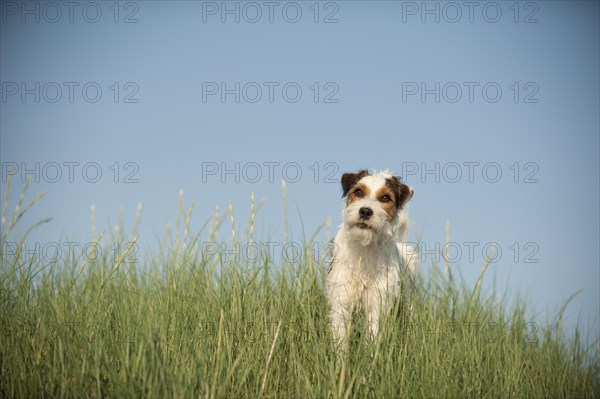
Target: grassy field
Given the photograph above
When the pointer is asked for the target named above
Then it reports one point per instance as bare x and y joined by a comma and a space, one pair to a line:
183, 322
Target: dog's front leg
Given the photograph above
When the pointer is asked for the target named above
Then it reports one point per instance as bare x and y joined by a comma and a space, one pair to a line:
339, 319
340, 314
379, 302
373, 315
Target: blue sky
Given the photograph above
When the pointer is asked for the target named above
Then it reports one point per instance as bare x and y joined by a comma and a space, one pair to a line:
489, 112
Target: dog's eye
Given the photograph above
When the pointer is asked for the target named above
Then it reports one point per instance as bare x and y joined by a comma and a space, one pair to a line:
358, 192
385, 198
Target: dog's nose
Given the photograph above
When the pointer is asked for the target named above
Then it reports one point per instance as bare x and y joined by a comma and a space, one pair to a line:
365, 213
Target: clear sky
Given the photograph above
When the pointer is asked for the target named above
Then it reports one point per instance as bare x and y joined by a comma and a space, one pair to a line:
489, 110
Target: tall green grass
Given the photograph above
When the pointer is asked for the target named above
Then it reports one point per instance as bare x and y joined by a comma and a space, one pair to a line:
184, 323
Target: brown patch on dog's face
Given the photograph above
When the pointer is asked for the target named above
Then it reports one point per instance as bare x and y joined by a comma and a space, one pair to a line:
350, 179
387, 198
357, 192
402, 193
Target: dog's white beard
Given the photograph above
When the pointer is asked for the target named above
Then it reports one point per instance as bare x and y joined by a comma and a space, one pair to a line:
364, 236
369, 236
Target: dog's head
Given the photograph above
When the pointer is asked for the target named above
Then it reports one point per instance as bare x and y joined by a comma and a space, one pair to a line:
373, 202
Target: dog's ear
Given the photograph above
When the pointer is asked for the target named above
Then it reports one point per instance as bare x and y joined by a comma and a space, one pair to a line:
403, 192
350, 179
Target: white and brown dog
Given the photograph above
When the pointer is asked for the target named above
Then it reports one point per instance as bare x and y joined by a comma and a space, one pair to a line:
369, 259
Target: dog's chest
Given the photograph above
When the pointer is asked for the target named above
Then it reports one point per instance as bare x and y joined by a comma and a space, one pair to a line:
360, 272
371, 270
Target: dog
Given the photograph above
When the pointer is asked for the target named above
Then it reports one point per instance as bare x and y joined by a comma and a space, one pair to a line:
369, 260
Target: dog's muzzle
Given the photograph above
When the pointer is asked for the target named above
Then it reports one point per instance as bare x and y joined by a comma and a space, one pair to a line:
365, 214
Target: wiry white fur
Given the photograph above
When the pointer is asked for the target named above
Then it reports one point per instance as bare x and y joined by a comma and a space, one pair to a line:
367, 264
